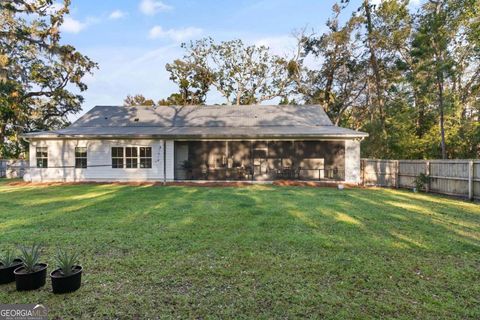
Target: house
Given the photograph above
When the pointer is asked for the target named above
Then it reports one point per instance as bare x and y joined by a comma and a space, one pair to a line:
166, 143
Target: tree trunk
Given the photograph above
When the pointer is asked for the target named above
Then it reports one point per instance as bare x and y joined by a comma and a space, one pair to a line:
374, 63
2, 139
441, 107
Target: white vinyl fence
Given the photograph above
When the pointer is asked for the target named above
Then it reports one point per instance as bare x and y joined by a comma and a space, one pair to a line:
11, 168
452, 177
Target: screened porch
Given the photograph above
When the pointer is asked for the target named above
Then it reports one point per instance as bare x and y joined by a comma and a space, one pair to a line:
259, 160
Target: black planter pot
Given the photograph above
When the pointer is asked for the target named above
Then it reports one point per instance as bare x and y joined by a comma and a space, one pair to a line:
6, 274
62, 284
31, 281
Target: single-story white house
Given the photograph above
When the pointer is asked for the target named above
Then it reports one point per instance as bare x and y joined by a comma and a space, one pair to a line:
168, 143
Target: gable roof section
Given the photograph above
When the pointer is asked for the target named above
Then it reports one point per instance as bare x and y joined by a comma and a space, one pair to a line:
203, 122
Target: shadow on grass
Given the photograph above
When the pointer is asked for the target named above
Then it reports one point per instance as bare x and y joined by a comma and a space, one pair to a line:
322, 217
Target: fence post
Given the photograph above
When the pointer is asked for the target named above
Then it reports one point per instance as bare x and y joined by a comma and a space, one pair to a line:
427, 173
470, 180
397, 168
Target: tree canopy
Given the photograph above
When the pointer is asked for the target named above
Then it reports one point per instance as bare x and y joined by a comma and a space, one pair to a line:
410, 78
41, 78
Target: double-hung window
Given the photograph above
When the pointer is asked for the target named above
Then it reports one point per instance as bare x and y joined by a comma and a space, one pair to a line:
131, 157
145, 157
42, 157
80, 157
117, 157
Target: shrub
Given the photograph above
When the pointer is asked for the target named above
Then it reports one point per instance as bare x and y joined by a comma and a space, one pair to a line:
421, 180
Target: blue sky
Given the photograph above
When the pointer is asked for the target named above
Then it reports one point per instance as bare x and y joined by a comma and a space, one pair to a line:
133, 40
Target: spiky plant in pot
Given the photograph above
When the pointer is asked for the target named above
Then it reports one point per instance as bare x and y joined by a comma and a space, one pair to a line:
8, 263
7, 259
30, 257
68, 276
32, 274
66, 262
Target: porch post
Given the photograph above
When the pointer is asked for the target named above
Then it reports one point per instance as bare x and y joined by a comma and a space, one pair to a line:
352, 161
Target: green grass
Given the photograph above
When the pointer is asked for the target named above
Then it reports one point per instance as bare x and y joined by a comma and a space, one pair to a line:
250, 252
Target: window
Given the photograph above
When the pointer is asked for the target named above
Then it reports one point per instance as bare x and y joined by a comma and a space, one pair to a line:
80, 157
145, 157
135, 157
131, 157
42, 157
117, 157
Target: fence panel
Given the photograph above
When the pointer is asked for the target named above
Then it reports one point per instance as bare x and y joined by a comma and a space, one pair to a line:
379, 172
408, 170
13, 168
451, 177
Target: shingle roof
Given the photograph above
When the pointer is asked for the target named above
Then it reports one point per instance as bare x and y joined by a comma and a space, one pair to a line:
250, 121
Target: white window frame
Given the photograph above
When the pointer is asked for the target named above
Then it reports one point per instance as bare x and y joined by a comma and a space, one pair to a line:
43, 151
141, 160
81, 158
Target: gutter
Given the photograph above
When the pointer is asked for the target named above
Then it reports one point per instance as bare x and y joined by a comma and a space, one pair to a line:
198, 137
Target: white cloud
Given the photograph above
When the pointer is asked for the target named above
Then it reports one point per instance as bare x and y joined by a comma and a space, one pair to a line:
177, 35
72, 25
151, 7
280, 45
117, 14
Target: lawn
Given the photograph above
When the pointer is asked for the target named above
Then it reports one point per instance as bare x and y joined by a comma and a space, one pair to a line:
251, 252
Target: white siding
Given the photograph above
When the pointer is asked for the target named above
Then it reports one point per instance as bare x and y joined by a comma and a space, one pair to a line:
169, 159
61, 161
352, 161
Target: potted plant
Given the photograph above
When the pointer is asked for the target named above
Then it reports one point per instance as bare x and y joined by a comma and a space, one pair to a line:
68, 275
8, 263
32, 274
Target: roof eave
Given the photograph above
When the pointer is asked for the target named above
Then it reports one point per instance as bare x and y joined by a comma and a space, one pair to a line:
359, 135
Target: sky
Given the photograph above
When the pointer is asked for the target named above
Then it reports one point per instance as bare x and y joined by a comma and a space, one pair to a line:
132, 40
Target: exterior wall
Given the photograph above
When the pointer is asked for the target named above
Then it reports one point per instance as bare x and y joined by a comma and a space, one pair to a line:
61, 161
352, 161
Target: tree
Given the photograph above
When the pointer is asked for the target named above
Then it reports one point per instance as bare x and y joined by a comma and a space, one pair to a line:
339, 82
241, 74
175, 99
412, 81
138, 100
446, 67
193, 82
38, 74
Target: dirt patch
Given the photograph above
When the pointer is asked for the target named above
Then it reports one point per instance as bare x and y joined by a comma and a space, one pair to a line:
210, 184
315, 184
281, 183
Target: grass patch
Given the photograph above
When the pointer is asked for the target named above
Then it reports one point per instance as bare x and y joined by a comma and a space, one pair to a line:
250, 252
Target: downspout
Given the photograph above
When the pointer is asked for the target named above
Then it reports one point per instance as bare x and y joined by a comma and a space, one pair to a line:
164, 162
